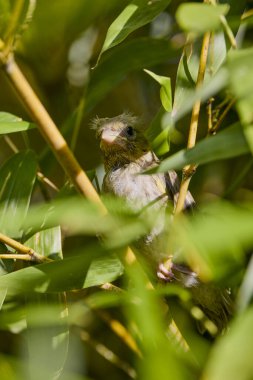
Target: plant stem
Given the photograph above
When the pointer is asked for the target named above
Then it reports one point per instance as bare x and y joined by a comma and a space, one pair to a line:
189, 170
25, 251
51, 133
213, 130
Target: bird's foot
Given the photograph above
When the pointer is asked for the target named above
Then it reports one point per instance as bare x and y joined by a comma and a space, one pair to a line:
164, 271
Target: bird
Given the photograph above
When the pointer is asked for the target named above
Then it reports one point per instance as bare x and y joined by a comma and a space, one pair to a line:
127, 155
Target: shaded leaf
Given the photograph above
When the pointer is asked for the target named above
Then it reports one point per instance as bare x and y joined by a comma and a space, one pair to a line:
17, 177
241, 81
114, 65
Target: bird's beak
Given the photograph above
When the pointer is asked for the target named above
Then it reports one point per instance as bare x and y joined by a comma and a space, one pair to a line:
109, 138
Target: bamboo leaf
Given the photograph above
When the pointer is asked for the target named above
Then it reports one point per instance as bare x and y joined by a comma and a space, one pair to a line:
10, 123
135, 15
226, 144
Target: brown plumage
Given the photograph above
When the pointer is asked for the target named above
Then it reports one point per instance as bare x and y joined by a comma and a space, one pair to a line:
127, 154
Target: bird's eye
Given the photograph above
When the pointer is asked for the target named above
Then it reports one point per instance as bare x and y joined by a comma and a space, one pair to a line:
130, 132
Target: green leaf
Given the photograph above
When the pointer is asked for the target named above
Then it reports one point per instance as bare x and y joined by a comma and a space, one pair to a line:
10, 124
165, 92
63, 275
4, 15
134, 55
239, 65
47, 242
17, 177
199, 18
226, 144
135, 15
185, 90
48, 347
216, 238
225, 362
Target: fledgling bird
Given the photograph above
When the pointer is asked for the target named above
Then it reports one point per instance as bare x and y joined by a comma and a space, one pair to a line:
127, 154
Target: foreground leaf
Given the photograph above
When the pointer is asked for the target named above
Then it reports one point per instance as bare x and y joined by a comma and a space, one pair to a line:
225, 361
62, 275
226, 144
194, 17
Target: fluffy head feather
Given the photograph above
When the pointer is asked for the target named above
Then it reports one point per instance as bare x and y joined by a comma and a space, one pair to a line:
121, 140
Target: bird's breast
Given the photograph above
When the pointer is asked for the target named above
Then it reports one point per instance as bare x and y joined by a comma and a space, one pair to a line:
138, 189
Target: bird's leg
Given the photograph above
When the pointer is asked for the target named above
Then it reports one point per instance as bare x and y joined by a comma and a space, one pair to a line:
164, 271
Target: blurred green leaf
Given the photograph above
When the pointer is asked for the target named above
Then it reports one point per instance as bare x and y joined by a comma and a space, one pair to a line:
185, 89
241, 81
135, 15
216, 238
76, 272
10, 123
194, 17
48, 346
17, 177
225, 360
226, 144
159, 359
4, 15
114, 65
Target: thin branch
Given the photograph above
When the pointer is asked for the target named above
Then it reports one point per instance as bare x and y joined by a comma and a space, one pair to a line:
16, 256
24, 250
213, 130
120, 331
189, 170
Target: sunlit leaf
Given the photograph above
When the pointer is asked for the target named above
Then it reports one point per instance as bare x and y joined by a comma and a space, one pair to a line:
10, 124
226, 144
63, 275
135, 15
47, 242
200, 18
224, 360
165, 92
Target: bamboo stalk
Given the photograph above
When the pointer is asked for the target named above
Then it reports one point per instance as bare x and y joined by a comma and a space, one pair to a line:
189, 170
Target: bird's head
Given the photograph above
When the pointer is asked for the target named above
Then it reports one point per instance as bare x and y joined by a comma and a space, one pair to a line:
121, 140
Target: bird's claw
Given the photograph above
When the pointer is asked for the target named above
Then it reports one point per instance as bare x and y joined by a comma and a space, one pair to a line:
165, 274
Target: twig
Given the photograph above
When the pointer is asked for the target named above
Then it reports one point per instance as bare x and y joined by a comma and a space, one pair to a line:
108, 354
120, 331
213, 129
17, 256
25, 251
189, 170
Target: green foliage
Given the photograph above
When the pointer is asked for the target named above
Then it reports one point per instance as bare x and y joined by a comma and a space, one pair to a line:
60, 318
